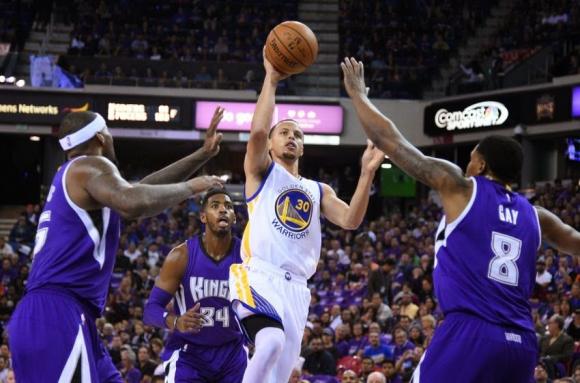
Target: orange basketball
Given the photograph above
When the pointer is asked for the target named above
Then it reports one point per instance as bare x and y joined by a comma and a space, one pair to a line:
291, 47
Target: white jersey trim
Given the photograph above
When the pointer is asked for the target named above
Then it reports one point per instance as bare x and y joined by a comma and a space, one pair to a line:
416, 377
539, 226
262, 183
451, 226
172, 364
77, 355
99, 243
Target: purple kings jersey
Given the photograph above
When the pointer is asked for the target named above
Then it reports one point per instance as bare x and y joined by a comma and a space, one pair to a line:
485, 259
74, 249
206, 281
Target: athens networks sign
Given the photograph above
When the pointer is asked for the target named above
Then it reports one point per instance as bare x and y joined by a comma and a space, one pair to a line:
485, 113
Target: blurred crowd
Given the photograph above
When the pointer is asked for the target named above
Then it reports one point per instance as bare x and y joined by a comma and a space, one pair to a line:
216, 34
530, 26
405, 42
373, 311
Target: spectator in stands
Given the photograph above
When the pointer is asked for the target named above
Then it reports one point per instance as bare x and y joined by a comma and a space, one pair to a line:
221, 81
376, 377
349, 376
3, 369
367, 368
401, 343
5, 249
155, 54
127, 366
22, 232
408, 362
328, 343
383, 312
10, 378
556, 346
221, 48
132, 252
342, 335
376, 351
144, 362
390, 373
574, 327
76, 45
115, 349
118, 73
103, 72
380, 280
540, 374
295, 376
203, 77
408, 308
319, 361
543, 277
416, 335
139, 46
575, 298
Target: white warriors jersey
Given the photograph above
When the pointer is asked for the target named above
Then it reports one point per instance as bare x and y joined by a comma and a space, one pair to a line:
284, 222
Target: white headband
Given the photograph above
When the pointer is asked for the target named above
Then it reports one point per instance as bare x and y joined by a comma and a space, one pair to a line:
84, 134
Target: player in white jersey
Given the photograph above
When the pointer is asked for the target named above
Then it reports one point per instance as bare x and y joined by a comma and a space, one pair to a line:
281, 243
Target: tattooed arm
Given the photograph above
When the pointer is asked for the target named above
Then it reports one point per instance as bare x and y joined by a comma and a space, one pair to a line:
443, 176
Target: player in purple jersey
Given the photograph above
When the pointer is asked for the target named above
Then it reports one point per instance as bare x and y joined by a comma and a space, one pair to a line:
206, 344
53, 336
485, 251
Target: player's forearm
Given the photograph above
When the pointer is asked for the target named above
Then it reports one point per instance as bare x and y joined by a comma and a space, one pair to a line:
359, 201
262, 119
149, 200
155, 313
179, 170
436, 174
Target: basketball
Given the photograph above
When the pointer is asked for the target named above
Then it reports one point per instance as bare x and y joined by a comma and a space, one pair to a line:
291, 47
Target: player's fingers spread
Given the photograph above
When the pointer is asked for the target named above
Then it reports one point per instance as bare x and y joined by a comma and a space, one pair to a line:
354, 63
196, 307
345, 70
348, 65
362, 68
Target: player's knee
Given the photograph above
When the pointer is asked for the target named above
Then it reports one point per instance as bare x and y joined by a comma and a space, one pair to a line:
271, 347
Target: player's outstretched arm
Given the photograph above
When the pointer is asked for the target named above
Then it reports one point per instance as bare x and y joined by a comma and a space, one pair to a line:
155, 313
187, 166
438, 174
101, 180
350, 217
257, 158
558, 234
